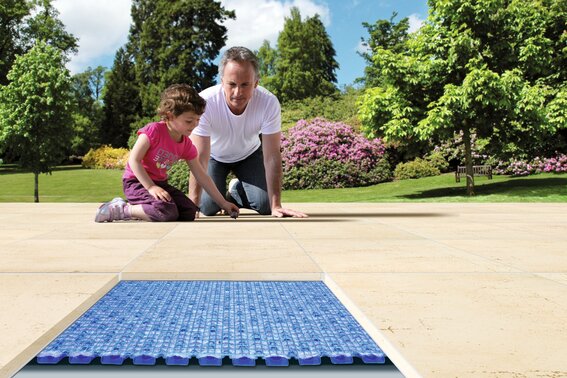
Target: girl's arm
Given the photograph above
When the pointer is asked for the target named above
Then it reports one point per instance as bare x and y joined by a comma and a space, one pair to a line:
207, 183
138, 152
203, 145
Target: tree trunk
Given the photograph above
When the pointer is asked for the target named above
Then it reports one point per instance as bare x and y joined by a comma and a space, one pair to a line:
468, 159
36, 187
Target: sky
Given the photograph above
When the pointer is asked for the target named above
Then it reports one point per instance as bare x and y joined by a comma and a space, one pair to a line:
102, 26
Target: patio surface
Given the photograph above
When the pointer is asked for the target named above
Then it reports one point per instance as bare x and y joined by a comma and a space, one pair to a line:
447, 290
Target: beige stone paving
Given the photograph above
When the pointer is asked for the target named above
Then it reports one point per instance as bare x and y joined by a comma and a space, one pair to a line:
37, 307
447, 289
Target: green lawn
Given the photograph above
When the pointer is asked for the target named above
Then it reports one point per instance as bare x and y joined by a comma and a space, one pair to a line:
73, 184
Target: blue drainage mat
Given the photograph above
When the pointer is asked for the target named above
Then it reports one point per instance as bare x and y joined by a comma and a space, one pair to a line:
211, 320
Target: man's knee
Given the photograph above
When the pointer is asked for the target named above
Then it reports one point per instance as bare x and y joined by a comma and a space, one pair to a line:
262, 205
209, 207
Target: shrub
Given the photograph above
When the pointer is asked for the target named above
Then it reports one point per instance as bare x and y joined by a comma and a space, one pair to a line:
322, 154
522, 167
328, 174
178, 176
338, 108
415, 169
453, 150
437, 160
106, 157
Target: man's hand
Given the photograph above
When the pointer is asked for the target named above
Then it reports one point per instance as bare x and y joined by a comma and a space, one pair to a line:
280, 212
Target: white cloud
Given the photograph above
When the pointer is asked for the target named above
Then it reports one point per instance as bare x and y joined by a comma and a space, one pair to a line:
101, 27
261, 20
415, 22
361, 48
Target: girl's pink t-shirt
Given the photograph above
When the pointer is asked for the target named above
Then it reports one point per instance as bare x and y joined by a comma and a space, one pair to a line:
163, 151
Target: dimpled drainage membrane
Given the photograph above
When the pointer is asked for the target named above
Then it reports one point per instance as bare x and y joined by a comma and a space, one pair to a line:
211, 320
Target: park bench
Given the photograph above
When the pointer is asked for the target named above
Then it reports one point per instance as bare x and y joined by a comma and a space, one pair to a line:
478, 170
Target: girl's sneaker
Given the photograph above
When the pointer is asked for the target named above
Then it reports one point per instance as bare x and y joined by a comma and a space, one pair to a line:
111, 211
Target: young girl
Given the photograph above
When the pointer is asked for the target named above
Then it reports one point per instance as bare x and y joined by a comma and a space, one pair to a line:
158, 147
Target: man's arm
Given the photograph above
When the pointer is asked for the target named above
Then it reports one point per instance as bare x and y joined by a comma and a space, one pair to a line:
203, 145
274, 174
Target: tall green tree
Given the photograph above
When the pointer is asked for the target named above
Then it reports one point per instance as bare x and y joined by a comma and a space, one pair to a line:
12, 13
305, 62
45, 26
122, 105
384, 34
87, 87
496, 68
175, 42
35, 111
267, 64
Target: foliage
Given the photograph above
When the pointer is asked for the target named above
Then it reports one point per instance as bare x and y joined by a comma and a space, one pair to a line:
178, 176
453, 150
385, 34
175, 42
489, 67
339, 107
87, 87
35, 110
122, 104
22, 24
106, 157
519, 167
45, 26
327, 174
417, 168
267, 57
304, 64
322, 154
438, 161
12, 14
85, 133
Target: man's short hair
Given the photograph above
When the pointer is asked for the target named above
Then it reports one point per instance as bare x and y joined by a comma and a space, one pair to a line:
239, 54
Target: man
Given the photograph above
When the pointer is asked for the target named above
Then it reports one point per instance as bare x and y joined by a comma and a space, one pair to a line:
238, 111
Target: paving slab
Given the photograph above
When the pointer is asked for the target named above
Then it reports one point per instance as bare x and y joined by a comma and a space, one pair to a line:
447, 289
37, 307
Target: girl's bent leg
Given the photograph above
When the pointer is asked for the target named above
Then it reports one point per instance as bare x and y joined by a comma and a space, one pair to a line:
185, 207
149, 208
137, 212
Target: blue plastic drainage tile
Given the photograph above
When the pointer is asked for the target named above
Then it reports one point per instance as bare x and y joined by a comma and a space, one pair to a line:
211, 320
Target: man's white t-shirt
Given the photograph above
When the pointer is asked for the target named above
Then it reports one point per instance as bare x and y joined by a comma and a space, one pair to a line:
235, 137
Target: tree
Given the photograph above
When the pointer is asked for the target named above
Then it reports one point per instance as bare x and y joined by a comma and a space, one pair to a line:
87, 87
175, 42
496, 68
305, 61
35, 110
45, 26
12, 13
385, 34
267, 64
121, 99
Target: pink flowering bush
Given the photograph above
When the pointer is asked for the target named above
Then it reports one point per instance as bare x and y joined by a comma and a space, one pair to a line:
518, 167
323, 154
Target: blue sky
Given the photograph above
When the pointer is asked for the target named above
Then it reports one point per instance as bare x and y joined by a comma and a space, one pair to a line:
102, 26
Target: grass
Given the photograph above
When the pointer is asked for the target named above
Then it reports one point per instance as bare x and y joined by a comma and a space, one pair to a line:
65, 184
545, 187
74, 184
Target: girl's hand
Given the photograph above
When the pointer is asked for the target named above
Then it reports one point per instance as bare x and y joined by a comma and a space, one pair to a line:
231, 209
159, 193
